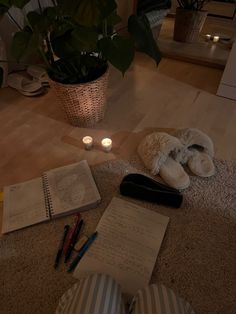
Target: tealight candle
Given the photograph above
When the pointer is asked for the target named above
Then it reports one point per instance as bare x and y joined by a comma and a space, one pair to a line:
88, 142
106, 144
208, 37
215, 39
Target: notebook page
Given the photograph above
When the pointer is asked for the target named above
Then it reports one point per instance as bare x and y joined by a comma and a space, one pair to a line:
24, 205
71, 188
128, 242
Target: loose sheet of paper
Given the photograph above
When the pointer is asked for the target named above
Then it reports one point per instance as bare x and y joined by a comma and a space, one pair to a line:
24, 205
128, 242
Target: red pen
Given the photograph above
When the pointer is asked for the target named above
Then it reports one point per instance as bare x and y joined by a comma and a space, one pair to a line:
71, 233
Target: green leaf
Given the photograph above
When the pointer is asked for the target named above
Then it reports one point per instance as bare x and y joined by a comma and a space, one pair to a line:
38, 22
51, 13
68, 7
4, 6
19, 3
73, 42
84, 39
113, 19
24, 44
88, 13
62, 47
33, 18
118, 51
140, 30
60, 28
106, 7
3, 9
5, 3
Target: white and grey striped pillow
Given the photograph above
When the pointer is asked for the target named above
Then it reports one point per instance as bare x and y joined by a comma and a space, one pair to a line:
96, 294
157, 299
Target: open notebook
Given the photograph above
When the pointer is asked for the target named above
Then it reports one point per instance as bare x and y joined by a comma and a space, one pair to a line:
128, 242
60, 191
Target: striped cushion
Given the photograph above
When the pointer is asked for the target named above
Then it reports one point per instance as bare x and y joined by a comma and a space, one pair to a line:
96, 294
100, 294
157, 299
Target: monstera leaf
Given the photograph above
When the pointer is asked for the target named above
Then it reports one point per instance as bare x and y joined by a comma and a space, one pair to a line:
74, 41
106, 7
118, 51
39, 22
4, 6
140, 30
25, 44
19, 3
93, 12
3, 10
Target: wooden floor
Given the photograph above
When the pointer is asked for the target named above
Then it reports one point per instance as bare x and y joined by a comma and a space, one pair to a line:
35, 136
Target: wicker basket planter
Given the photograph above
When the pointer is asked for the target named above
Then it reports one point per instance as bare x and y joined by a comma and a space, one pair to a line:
84, 104
188, 24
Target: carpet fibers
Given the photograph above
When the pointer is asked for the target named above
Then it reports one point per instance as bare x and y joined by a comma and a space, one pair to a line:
197, 258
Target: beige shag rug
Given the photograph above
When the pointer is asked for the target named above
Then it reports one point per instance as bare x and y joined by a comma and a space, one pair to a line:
197, 258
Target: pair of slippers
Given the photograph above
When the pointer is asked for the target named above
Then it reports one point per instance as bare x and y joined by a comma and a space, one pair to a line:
31, 83
165, 154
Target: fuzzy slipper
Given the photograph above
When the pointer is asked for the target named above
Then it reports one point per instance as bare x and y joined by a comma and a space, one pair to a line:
197, 153
156, 151
38, 74
24, 85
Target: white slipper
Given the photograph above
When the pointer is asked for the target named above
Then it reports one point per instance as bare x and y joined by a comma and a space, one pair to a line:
156, 151
38, 74
36, 93
197, 153
22, 83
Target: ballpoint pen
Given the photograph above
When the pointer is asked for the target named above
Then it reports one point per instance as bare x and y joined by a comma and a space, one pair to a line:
82, 251
73, 240
71, 233
60, 249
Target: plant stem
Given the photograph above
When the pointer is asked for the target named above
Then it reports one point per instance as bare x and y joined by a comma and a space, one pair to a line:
49, 49
121, 29
14, 21
50, 52
40, 7
54, 3
45, 59
105, 28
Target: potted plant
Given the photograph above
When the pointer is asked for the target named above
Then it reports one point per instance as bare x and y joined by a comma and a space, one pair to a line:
76, 40
189, 20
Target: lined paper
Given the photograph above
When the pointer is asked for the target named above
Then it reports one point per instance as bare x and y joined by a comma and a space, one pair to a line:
128, 242
24, 205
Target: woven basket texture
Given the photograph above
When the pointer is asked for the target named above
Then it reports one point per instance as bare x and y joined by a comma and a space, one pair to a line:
84, 104
188, 25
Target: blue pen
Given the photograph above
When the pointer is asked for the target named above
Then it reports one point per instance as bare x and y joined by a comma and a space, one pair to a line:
82, 251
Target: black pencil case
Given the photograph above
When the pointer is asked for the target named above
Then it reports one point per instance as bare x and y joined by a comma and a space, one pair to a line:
145, 188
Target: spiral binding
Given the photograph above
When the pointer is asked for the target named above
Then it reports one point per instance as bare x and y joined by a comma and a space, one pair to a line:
47, 196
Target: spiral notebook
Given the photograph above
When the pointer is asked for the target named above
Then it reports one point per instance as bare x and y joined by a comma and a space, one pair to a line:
60, 191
